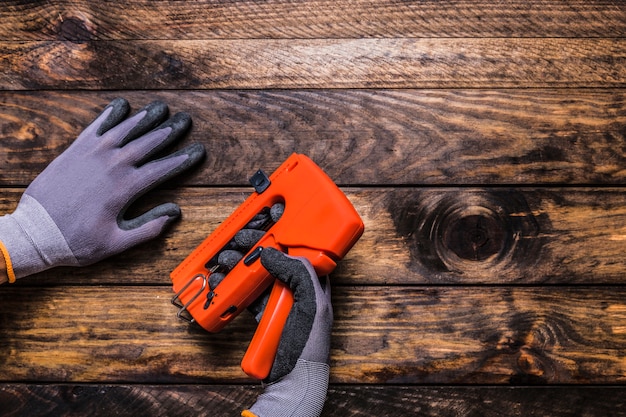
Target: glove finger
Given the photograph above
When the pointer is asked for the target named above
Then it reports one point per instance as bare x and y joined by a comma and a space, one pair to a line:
153, 221
158, 171
140, 150
167, 212
277, 211
112, 115
142, 122
266, 217
292, 271
229, 258
242, 242
144, 227
259, 221
214, 279
245, 239
235, 250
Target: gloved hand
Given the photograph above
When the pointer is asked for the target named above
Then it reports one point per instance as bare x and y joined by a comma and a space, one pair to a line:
73, 212
298, 381
241, 243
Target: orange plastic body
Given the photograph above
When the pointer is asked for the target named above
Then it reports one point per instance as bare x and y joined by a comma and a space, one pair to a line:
318, 223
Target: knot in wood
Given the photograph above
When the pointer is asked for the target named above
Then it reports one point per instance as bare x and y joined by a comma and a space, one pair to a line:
471, 228
467, 234
475, 237
73, 29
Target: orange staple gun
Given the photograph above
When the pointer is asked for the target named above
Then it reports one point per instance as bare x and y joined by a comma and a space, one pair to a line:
318, 223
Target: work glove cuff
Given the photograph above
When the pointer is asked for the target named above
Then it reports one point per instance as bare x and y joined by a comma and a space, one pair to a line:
301, 393
32, 241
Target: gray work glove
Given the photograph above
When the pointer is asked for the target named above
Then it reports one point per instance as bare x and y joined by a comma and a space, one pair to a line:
73, 212
298, 381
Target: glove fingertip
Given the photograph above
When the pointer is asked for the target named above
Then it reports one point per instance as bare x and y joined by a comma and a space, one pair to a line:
180, 122
166, 213
245, 239
270, 257
155, 113
282, 266
195, 153
170, 211
119, 110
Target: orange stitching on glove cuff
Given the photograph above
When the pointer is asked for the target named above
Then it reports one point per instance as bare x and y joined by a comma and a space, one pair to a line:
7, 261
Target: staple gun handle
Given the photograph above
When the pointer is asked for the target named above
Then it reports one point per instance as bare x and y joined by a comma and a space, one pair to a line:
259, 358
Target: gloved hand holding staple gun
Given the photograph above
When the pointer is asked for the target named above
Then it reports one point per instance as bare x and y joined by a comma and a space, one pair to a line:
73, 212
318, 223
296, 225
298, 382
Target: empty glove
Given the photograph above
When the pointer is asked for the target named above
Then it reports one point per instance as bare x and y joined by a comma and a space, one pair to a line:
73, 213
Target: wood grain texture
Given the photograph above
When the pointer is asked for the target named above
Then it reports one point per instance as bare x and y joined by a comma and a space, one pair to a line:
359, 137
125, 400
413, 236
382, 335
314, 63
482, 142
345, 400
80, 20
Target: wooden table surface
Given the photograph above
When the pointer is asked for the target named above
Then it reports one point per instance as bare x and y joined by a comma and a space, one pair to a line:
483, 144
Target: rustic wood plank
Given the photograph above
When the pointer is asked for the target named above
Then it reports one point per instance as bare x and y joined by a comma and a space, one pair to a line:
489, 102
314, 63
345, 400
373, 137
382, 335
413, 236
84, 20
125, 400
